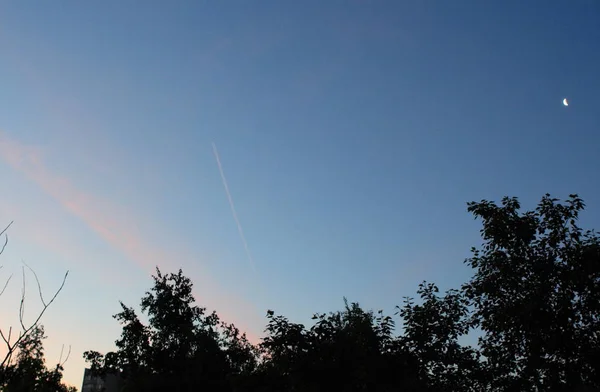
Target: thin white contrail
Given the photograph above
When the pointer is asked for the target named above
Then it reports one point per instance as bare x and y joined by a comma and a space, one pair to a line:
233, 212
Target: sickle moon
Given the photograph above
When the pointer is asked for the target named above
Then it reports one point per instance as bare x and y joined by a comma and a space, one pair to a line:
565, 102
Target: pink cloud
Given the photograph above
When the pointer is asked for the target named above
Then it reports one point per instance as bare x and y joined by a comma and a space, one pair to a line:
111, 223
107, 221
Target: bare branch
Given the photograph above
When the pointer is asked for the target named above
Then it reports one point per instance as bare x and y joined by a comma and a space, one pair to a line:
59, 289
6, 228
22, 306
62, 364
8, 345
38, 283
27, 330
4, 245
7, 341
2, 251
6, 284
49, 303
5, 237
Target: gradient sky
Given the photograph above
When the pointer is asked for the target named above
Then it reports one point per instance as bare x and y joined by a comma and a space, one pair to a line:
351, 134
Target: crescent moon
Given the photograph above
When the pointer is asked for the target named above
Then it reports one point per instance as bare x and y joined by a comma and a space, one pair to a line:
565, 102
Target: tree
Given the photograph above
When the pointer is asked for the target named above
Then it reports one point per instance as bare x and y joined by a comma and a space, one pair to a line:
29, 372
534, 298
182, 348
349, 350
536, 295
26, 348
431, 332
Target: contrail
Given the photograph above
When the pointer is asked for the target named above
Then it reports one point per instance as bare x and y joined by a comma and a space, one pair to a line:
233, 212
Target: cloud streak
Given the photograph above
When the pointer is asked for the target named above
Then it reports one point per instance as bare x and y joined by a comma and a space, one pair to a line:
106, 220
232, 206
115, 225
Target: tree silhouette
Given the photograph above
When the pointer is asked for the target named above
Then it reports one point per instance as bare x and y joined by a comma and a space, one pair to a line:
29, 373
22, 368
431, 332
536, 295
534, 298
182, 348
349, 350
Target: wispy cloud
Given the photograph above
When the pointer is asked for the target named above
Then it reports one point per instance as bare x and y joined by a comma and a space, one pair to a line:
104, 219
232, 206
117, 227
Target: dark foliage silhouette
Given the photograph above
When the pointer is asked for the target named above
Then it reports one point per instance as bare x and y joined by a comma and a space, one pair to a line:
181, 349
533, 299
536, 296
28, 373
350, 350
431, 333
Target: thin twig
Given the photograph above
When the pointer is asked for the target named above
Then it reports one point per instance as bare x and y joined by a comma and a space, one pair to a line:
7, 341
6, 228
67, 358
4, 245
37, 281
59, 289
22, 306
8, 346
6, 284
5, 237
61, 353
26, 331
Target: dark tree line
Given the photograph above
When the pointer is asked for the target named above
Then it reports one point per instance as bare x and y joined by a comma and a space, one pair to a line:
534, 299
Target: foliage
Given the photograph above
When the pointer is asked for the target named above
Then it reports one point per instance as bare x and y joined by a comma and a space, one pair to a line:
182, 348
29, 372
431, 332
536, 294
534, 298
350, 350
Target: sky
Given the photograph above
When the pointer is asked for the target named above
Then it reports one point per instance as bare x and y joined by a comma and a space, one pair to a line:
350, 135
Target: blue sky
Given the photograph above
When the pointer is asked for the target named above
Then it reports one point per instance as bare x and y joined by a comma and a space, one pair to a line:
351, 134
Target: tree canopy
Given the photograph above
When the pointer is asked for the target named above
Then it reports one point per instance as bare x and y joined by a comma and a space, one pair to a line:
28, 372
182, 348
536, 295
533, 299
